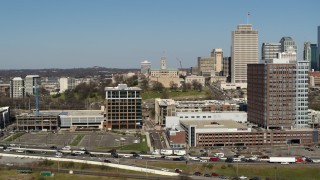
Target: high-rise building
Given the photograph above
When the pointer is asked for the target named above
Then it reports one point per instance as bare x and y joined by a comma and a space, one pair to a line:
145, 67
217, 54
205, 66
287, 42
314, 56
67, 83
289, 54
278, 94
17, 88
123, 107
32, 82
270, 50
244, 51
227, 68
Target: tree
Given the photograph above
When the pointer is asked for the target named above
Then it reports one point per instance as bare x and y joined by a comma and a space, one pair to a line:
157, 86
132, 81
173, 86
144, 83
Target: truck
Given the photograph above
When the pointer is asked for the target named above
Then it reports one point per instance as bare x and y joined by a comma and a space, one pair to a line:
316, 160
282, 159
179, 152
300, 160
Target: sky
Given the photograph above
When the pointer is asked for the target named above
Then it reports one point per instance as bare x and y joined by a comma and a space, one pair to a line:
38, 34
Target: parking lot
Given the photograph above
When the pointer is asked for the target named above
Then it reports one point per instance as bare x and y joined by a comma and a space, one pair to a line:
90, 140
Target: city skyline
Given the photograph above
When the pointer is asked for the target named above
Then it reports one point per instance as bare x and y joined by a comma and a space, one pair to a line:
121, 34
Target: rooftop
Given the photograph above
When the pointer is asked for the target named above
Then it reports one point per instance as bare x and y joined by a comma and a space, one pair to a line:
121, 87
214, 124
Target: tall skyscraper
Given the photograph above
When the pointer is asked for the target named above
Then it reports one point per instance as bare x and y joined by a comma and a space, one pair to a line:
17, 88
31, 81
244, 51
278, 94
145, 67
287, 42
314, 56
217, 54
270, 50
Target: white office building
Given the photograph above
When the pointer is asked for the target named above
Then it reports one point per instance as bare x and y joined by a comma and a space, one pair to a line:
66, 83
17, 88
31, 83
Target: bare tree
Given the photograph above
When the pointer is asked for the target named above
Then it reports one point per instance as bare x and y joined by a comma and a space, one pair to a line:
173, 86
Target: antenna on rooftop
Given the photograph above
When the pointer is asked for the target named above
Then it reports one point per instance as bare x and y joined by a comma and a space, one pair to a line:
248, 17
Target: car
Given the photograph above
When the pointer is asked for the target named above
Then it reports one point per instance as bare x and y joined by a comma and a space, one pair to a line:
203, 160
207, 175
214, 174
138, 157
83, 149
243, 177
107, 161
255, 178
197, 173
167, 157
164, 169
66, 148
53, 147
13, 145
9, 164
19, 151
152, 157
195, 158
177, 170
7, 150
126, 156
58, 156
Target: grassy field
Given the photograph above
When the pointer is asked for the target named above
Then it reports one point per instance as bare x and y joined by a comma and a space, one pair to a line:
282, 172
14, 175
77, 140
174, 94
142, 146
14, 136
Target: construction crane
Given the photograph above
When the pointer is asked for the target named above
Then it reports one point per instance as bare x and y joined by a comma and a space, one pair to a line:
178, 59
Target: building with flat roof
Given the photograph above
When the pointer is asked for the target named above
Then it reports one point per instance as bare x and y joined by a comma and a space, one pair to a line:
244, 50
17, 89
27, 122
82, 119
270, 51
67, 83
230, 133
199, 79
32, 82
278, 94
123, 107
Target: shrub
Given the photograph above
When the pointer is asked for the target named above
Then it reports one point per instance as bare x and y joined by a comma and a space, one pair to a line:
223, 167
230, 165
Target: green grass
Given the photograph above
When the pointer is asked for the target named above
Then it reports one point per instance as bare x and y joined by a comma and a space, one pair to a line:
174, 94
142, 146
77, 140
14, 175
14, 136
282, 172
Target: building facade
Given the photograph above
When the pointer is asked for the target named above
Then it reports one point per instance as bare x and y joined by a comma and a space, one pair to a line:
37, 123
278, 95
206, 66
123, 107
318, 55
227, 68
32, 82
17, 89
287, 42
314, 55
217, 54
67, 83
270, 50
200, 79
244, 51
145, 67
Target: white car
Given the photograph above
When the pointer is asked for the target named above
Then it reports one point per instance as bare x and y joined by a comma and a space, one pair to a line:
19, 151
126, 156
58, 156
7, 150
203, 160
195, 158
164, 169
66, 148
152, 157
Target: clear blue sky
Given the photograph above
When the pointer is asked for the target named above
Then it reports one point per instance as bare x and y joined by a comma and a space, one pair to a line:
122, 33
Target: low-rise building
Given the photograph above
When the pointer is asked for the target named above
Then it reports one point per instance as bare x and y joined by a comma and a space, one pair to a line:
199, 79
27, 122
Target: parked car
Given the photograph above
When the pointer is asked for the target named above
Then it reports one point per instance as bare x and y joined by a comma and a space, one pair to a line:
126, 156
20, 151
107, 161
214, 174
207, 175
53, 147
178, 170
197, 173
203, 160
164, 169
152, 157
